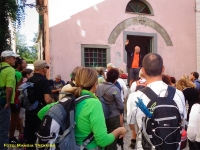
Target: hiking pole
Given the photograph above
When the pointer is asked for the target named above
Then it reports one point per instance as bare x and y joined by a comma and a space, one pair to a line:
120, 142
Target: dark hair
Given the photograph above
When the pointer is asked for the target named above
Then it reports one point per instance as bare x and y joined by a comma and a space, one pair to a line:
26, 71
173, 80
18, 61
112, 75
2, 59
195, 74
153, 64
198, 100
166, 79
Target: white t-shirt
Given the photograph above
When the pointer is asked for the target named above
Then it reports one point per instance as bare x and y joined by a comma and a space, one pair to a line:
134, 114
193, 131
124, 88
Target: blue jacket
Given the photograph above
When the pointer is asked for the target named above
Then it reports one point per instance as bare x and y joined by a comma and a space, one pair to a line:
197, 83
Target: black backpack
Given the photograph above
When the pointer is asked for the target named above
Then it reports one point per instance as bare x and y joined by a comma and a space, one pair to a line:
57, 126
163, 130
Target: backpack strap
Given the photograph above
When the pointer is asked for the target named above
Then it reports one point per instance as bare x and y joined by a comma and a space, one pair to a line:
152, 95
149, 93
90, 137
170, 92
78, 100
3, 68
81, 98
16, 83
3, 88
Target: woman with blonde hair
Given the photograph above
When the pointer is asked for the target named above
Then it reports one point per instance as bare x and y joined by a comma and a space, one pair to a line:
89, 114
189, 91
185, 76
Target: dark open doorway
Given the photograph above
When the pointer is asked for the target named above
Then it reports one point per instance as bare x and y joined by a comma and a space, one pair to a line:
144, 42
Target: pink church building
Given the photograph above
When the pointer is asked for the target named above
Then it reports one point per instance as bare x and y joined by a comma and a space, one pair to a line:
92, 33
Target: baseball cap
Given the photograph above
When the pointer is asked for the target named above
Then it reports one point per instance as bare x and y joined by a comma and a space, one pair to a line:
9, 53
40, 64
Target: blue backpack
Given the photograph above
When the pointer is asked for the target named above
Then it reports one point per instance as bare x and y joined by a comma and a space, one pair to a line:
27, 96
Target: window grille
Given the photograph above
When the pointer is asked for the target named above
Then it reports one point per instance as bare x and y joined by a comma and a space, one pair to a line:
95, 57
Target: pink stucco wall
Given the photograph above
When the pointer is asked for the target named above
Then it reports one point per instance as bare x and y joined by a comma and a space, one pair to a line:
94, 24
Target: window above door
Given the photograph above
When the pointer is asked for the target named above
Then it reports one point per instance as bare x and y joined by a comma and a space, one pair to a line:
139, 7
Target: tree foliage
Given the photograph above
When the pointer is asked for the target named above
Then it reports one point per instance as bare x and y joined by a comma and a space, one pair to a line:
11, 14
29, 53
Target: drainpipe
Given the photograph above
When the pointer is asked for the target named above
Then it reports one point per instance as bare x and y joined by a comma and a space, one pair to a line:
197, 9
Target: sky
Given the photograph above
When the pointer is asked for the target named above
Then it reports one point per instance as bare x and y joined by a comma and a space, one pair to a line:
30, 25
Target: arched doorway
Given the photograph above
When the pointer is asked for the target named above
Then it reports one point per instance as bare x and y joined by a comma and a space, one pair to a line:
147, 41
140, 20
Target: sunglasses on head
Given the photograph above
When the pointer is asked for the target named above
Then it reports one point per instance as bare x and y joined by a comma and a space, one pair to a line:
47, 67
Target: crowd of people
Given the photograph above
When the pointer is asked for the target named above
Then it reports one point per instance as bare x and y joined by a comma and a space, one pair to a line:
89, 116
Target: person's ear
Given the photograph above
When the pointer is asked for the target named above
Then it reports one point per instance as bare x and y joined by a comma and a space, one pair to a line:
163, 69
143, 71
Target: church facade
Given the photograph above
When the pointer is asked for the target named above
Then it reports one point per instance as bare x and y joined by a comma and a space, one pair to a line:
93, 33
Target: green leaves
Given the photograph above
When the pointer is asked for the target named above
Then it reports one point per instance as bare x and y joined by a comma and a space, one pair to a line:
11, 14
29, 53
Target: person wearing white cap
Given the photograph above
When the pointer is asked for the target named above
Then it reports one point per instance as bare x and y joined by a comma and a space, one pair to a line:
7, 92
58, 84
42, 94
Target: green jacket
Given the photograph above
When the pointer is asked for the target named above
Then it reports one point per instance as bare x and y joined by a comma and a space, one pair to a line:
89, 118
